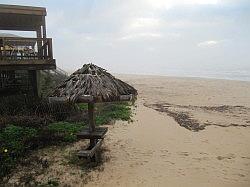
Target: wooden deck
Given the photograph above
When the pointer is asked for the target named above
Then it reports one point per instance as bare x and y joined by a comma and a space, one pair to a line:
18, 53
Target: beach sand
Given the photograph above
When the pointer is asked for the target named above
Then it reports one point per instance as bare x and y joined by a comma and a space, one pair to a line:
155, 150
186, 132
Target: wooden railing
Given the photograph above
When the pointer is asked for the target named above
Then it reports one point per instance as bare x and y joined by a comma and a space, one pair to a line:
18, 48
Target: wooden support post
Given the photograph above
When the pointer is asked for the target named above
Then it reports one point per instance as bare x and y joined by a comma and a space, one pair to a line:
91, 122
4, 50
44, 27
44, 37
39, 42
50, 50
91, 117
33, 76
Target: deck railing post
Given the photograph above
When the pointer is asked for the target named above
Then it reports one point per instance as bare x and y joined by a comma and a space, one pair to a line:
4, 51
50, 52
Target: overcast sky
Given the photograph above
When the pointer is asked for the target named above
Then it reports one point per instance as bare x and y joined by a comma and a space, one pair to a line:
149, 36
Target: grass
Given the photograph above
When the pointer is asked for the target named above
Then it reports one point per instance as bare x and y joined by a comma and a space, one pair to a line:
114, 111
14, 141
65, 130
106, 112
17, 140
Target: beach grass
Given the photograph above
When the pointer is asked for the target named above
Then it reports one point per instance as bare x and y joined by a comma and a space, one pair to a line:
18, 140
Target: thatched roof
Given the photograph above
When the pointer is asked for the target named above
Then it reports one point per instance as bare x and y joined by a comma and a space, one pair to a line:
94, 81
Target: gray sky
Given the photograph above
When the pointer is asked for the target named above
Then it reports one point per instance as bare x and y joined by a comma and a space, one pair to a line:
149, 36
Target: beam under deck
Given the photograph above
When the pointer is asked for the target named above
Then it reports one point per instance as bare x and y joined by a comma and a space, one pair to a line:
27, 64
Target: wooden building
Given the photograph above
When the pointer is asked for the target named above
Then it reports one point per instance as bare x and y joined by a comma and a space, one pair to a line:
22, 58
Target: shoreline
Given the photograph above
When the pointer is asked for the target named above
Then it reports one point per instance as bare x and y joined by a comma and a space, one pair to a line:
181, 77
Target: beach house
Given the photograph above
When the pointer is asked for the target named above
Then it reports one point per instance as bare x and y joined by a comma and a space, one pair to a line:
22, 58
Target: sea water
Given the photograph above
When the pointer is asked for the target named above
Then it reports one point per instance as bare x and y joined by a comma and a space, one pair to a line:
242, 75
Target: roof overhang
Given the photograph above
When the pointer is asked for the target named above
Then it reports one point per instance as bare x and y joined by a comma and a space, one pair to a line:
23, 18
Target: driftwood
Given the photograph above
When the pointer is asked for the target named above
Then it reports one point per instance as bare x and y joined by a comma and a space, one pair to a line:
92, 80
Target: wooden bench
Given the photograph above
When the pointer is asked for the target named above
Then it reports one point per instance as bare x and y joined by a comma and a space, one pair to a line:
90, 152
98, 133
96, 137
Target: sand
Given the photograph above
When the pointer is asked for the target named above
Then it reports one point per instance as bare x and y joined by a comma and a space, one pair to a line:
159, 148
156, 151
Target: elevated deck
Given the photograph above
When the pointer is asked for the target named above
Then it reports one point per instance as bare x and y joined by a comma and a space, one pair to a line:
18, 53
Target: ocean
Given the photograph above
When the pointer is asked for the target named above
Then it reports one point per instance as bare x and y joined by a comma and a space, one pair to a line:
241, 75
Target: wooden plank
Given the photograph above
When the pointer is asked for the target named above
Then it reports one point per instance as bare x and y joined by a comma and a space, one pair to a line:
49, 64
126, 97
89, 98
85, 99
25, 38
18, 28
15, 62
99, 133
16, 9
90, 153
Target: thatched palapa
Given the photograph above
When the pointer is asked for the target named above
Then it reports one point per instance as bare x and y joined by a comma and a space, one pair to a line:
95, 82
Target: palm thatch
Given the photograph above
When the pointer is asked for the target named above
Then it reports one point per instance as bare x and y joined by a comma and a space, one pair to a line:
94, 81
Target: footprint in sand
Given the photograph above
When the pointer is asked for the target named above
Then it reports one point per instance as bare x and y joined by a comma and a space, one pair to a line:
203, 153
200, 158
172, 163
245, 157
164, 153
184, 153
228, 157
240, 175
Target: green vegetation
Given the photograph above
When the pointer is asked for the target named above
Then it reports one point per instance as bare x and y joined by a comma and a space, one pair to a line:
25, 135
50, 183
114, 111
106, 112
53, 182
14, 141
65, 130
28, 123
83, 106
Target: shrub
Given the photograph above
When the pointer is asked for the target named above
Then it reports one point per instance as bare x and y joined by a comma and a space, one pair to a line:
14, 141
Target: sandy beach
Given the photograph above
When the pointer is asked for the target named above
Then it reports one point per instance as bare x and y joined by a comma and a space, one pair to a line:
155, 150
185, 132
